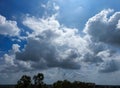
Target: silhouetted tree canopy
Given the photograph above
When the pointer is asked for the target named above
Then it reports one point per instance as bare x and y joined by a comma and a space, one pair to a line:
25, 82
75, 84
38, 79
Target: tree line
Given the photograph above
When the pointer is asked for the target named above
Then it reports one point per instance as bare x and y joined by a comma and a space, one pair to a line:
26, 82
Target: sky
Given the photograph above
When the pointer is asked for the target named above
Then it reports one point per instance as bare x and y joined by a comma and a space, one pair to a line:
64, 39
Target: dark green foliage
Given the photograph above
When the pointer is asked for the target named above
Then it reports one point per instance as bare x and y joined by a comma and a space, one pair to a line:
57, 84
24, 82
38, 80
76, 84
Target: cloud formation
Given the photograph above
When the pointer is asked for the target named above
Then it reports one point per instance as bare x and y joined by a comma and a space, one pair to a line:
103, 28
8, 27
108, 66
103, 32
66, 53
53, 45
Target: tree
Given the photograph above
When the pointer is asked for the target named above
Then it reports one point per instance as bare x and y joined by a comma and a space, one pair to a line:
24, 82
57, 84
66, 84
62, 84
38, 79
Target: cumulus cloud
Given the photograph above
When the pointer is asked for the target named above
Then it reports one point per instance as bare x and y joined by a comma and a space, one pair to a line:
53, 45
103, 28
9, 58
11, 64
8, 27
103, 32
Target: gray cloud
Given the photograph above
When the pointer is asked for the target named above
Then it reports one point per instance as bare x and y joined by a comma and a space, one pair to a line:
53, 45
103, 33
102, 28
108, 66
92, 58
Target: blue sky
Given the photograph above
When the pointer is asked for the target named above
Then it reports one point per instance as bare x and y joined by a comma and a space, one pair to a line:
73, 39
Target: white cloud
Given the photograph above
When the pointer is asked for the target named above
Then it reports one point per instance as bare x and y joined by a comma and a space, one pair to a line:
103, 33
38, 25
104, 29
11, 64
10, 57
8, 27
52, 45
118, 25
